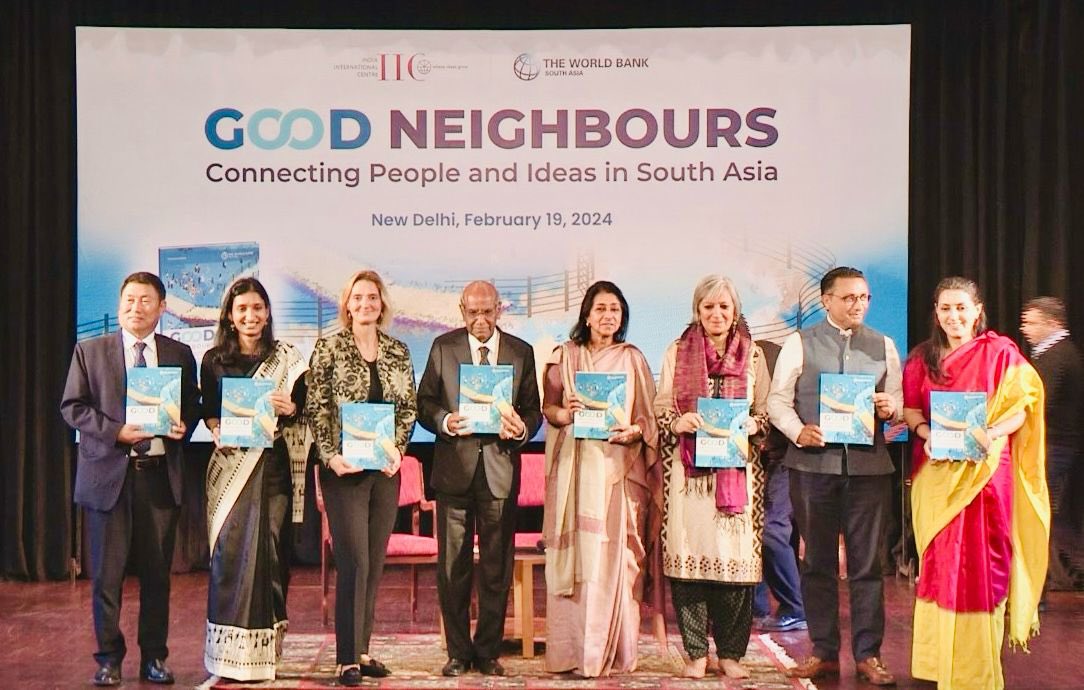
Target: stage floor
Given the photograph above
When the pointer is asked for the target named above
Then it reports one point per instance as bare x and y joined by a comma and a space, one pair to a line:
47, 638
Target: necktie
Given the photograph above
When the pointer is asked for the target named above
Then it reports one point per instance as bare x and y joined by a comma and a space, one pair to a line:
141, 447
483, 355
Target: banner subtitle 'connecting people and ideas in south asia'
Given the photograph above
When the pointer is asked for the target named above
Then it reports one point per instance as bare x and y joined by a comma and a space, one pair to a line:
542, 160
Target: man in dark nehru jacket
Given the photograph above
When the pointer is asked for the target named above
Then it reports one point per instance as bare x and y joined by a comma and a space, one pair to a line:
476, 478
128, 481
1056, 357
838, 488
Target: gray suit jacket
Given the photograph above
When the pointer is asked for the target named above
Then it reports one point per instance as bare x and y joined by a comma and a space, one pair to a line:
93, 403
455, 458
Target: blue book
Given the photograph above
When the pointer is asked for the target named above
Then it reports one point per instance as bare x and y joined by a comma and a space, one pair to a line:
368, 434
605, 404
846, 408
722, 441
153, 399
958, 425
484, 391
248, 418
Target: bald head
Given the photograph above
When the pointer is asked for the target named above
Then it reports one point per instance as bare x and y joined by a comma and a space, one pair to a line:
480, 306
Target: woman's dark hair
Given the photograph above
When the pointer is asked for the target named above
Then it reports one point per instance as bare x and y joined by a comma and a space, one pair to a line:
226, 340
580, 333
932, 350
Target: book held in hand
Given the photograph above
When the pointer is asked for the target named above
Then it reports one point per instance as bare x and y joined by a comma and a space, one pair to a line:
247, 417
484, 392
958, 425
846, 408
153, 399
722, 441
605, 404
368, 434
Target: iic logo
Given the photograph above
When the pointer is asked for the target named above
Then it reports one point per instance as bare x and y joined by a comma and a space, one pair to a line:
396, 66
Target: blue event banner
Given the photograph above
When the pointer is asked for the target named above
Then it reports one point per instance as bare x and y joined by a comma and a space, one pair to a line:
368, 434
846, 408
605, 403
484, 392
958, 425
153, 399
722, 440
248, 418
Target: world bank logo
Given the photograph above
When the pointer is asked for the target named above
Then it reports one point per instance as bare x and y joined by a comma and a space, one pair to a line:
526, 66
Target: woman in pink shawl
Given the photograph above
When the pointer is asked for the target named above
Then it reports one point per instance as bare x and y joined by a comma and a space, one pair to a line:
603, 498
713, 518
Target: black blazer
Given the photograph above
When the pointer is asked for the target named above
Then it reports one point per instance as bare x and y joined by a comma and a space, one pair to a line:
93, 403
455, 458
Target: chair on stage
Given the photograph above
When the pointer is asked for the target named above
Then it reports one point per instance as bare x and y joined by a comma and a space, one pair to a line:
530, 550
404, 548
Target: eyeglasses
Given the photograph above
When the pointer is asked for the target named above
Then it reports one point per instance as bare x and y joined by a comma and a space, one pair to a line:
849, 300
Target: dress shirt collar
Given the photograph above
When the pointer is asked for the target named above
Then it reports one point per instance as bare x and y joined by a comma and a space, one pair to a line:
1050, 341
494, 344
130, 341
845, 332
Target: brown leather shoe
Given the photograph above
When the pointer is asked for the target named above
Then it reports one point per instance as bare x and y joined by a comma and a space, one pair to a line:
873, 671
814, 667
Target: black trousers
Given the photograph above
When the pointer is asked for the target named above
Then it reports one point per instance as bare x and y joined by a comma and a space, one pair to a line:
142, 525
361, 512
728, 608
458, 518
856, 506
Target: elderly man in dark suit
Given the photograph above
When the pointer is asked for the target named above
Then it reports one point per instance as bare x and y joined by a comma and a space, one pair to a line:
476, 478
128, 481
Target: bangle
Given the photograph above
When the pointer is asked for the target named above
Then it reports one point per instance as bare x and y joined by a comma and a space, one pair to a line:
919, 426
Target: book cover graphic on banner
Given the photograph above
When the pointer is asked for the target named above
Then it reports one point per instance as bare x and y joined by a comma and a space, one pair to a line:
958, 425
247, 417
195, 278
153, 399
846, 408
368, 434
605, 404
722, 441
485, 391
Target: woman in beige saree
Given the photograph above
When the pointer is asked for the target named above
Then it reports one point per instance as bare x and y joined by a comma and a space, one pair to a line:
603, 500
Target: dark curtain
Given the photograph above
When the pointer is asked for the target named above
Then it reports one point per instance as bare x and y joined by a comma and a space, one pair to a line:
993, 163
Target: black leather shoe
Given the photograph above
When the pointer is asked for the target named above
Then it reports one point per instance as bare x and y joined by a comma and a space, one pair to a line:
108, 675
375, 669
455, 667
156, 672
489, 667
350, 677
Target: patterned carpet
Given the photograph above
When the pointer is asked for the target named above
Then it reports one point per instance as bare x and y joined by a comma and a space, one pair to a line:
309, 662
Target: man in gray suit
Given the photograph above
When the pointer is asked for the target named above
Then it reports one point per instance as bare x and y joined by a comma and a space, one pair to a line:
128, 481
476, 478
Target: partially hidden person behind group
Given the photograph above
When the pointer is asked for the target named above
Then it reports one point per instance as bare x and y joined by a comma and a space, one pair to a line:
838, 488
713, 517
128, 481
1045, 325
981, 526
476, 477
603, 499
250, 489
360, 363
781, 576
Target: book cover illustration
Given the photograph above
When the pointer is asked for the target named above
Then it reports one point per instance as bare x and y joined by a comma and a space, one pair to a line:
722, 441
605, 404
247, 418
153, 398
368, 434
484, 392
846, 408
958, 425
